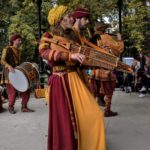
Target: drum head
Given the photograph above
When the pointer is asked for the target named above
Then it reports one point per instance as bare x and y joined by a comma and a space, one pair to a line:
18, 80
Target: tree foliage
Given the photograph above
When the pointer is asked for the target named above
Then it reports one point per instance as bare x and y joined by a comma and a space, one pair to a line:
136, 23
22, 17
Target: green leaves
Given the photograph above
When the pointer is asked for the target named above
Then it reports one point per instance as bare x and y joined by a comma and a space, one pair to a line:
22, 17
135, 22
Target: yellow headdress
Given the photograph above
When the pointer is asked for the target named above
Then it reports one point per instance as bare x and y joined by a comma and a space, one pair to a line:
56, 13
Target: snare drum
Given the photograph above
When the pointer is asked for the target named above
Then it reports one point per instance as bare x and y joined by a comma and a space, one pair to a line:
24, 76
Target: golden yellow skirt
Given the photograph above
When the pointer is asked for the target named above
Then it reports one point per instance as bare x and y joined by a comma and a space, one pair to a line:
89, 116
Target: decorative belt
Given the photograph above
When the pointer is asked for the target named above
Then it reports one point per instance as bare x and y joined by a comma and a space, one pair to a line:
64, 68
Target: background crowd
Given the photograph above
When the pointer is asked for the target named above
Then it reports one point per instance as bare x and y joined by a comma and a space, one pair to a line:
139, 80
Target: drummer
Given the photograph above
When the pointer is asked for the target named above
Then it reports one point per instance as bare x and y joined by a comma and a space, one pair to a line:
11, 56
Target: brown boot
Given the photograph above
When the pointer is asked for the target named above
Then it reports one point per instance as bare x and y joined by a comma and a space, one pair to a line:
11, 110
110, 113
26, 109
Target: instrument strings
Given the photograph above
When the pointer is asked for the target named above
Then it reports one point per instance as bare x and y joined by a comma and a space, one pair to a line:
97, 58
97, 54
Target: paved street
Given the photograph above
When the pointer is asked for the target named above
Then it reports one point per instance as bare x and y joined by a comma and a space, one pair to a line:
24, 131
131, 129
128, 131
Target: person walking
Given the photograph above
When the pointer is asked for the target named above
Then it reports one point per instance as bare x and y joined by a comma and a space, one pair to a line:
104, 81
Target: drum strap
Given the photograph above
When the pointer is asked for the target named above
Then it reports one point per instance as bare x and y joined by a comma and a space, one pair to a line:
16, 56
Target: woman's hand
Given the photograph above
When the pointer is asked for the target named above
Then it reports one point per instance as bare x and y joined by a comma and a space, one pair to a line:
77, 57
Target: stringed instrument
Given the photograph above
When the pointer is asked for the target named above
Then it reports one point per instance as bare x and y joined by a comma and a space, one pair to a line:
95, 57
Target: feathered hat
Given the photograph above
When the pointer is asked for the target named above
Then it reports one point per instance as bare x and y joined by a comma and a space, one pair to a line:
56, 13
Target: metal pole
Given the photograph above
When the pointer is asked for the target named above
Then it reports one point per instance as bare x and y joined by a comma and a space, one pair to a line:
41, 64
120, 3
39, 3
